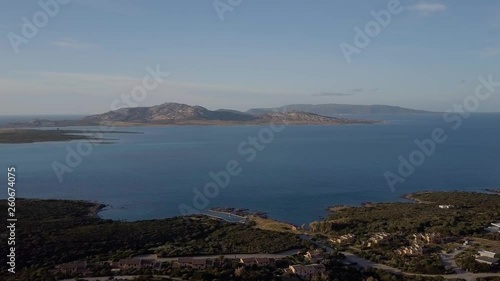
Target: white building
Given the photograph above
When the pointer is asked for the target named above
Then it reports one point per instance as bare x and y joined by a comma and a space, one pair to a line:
446, 206
488, 253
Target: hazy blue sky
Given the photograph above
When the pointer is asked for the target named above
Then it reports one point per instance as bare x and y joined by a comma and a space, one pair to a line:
264, 53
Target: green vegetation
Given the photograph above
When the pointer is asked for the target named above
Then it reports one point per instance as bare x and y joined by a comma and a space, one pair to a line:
472, 212
52, 232
468, 215
428, 264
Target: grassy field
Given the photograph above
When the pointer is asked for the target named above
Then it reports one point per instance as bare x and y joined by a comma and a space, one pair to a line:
273, 225
487, 244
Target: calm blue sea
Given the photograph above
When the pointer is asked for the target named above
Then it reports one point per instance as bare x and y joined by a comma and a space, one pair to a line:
295, 178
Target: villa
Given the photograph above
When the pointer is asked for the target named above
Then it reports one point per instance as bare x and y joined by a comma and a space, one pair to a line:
255, 261
314, 256
414, 250
126, 264
190, 263
377, 239
199, 264
429, 238
137, 263
306, 271
263, 261
344, 239
73, 268
248, 261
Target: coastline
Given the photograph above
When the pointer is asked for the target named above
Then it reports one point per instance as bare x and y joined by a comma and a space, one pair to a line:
493, 190
411, 197
260, 217
196, 123
27, 136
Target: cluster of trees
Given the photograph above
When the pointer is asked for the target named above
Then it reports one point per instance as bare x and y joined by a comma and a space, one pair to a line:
232, 238
428, 264
469, 263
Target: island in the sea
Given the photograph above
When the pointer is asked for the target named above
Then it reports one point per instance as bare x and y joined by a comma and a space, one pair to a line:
182, 114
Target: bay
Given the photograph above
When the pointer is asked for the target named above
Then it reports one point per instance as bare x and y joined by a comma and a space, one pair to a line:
301, 172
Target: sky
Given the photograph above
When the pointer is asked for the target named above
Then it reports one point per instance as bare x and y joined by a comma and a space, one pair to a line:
242, 54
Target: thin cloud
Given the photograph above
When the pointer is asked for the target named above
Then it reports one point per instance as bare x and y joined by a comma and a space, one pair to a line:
71, 44
331, 94
112, 81
490, 52
428, 8
375, 90
357, 90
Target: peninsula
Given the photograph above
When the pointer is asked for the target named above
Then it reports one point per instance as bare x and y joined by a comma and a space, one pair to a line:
11, 136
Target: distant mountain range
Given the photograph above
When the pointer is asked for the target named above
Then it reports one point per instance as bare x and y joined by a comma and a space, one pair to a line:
172, 112
340, 109
182, 114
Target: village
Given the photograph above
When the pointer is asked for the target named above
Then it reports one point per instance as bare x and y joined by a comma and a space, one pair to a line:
310, 266
393, 240
312, 262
